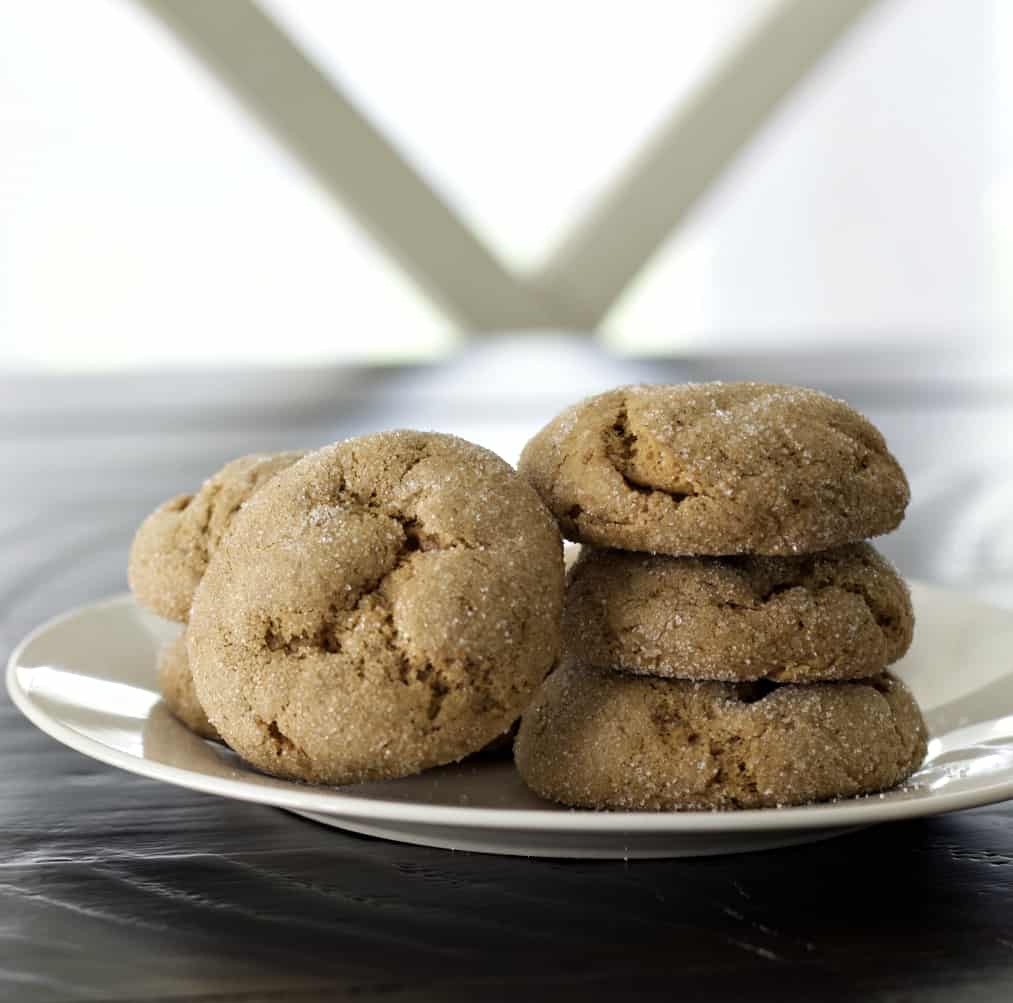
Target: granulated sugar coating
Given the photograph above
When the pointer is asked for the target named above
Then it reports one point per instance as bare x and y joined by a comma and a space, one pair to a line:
171, 549
839, 614
175, 683
600, 739
716, 468
385, 605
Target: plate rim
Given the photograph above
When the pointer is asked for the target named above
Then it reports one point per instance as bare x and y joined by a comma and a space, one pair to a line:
862, 810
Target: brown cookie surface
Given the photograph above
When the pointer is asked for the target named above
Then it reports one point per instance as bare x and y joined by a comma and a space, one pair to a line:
600, 739
175, 683
716, 469
385, 605
838, 614
171, 549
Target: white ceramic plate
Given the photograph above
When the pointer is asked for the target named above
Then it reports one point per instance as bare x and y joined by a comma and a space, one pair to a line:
88, 679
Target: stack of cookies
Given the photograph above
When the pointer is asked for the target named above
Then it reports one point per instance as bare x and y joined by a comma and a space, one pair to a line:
726, 628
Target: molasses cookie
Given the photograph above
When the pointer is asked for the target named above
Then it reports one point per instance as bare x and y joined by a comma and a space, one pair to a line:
171, 549
175, 683
838, 614
599, 739
716, 468
387, 604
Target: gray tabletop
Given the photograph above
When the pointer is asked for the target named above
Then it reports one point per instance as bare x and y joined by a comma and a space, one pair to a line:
118, 888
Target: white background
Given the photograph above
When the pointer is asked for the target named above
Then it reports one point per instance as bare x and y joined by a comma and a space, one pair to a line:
146, 221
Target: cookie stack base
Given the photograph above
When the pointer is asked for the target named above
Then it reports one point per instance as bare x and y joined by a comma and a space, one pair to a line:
600, 739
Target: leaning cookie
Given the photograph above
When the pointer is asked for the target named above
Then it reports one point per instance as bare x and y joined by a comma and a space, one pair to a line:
175, 683
385, 605
599, 739
716, 468
839, 614
171, 549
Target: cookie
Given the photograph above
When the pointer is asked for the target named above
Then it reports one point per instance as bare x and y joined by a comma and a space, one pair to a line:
598, 739
175, 683
171, 549
385, 605
717, 469
839, 614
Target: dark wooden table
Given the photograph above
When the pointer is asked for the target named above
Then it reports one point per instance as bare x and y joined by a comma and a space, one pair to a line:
118, 888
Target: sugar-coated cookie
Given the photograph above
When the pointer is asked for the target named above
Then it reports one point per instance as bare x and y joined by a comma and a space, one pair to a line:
837, 614
175, 683
171, 549
385, 605
716, 468
599, 739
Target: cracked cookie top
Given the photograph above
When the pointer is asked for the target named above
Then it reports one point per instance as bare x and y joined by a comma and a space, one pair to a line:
171, 549
716, 469
387, 604
838, 614
598, 739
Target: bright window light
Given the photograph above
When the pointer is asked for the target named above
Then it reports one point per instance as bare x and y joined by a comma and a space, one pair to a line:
862, 213
146, 220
